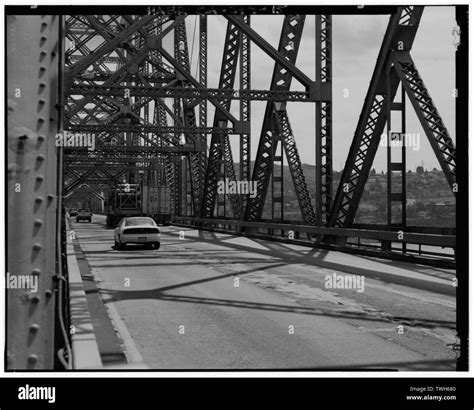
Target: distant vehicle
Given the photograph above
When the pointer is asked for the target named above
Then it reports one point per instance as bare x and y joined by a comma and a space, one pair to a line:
137, 230
84, 214
125, 200
73, 212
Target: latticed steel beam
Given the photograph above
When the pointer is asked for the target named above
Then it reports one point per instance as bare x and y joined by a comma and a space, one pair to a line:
294, 163
140, 128
195, 83
111, 149
245, 85
288, 48
110, 45
201, 93
401, 31
275, 54
323, 135
425, 109
203, 78
196, 160
220, 145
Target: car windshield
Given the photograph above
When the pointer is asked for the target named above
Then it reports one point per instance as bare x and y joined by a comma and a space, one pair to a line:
139, 221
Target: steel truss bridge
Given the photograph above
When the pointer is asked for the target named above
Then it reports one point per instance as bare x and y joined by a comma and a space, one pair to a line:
129, 81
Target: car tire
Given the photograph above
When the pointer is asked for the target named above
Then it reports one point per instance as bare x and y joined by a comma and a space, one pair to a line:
156, 245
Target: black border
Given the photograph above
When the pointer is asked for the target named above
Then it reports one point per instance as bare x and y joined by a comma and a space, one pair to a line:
462, 113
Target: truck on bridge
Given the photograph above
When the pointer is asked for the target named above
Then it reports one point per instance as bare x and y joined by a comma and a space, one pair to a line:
157, 203
127, 200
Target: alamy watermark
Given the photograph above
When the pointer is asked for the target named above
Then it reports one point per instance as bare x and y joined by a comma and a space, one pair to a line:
337, 281
78, 139
237, 187
398, 139
29, 282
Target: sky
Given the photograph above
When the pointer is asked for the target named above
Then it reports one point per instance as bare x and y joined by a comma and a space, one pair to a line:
356, 42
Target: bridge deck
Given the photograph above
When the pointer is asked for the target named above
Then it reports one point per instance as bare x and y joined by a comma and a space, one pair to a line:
179, 307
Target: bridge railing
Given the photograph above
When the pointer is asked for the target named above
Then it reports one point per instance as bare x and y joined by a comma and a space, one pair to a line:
368, 241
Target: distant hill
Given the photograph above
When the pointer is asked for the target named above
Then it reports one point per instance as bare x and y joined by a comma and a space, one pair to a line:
430, 201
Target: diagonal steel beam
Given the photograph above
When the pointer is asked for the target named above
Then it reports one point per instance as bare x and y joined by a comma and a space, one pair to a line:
271, 51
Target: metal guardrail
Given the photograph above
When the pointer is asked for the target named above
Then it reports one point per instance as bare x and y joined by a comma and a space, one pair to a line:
391, 236
314, 234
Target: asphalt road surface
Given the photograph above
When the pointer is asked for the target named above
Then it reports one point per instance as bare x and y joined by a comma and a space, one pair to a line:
213, 301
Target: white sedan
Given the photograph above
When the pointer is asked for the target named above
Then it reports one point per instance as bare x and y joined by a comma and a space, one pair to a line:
139, 230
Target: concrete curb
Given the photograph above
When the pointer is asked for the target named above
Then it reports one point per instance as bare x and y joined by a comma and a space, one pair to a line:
85, 350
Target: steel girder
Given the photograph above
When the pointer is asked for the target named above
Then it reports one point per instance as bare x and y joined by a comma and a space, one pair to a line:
192, 93
245, 86
276, 114
276, 55
203, 78
107, 47
438, 135
324, 119
220, 149
195, 83
372, 119
196, 160
33, 67
393, 60
143, 129
294, 164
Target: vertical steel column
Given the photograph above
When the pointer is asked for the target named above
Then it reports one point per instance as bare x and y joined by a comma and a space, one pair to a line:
395, 166
323, 135
277, 175
245, 84
32, 67
203, 82
220, 148
401, 29
178, 176
276, 120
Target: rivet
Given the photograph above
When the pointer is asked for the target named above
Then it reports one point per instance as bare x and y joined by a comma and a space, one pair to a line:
36, 272
48, 293
42, 102
37, 246
32, 358
41, 119
34, 299
39, 199
38, 222
40, 178
34, 328
50, 197
40, 157
41, 138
